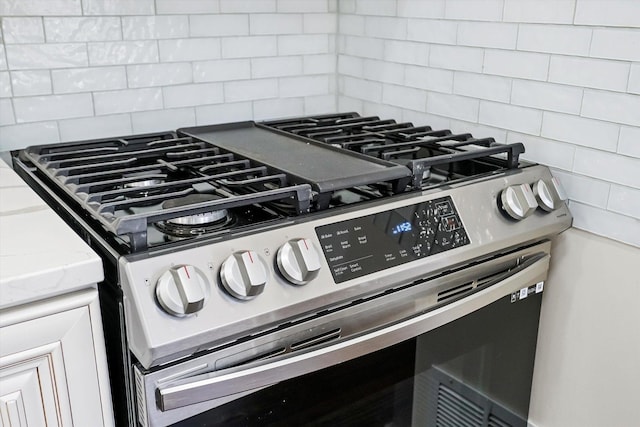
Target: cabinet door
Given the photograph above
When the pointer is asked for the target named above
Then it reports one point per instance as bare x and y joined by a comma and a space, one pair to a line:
52, 368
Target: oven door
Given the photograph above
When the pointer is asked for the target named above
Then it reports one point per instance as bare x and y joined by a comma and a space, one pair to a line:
456, 349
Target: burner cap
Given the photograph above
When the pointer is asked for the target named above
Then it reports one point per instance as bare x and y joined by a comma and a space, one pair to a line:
196, 219
143, 183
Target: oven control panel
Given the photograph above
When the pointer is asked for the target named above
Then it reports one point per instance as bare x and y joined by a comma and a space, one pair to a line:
371, 243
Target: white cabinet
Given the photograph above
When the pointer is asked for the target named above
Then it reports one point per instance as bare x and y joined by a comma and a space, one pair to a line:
53, 368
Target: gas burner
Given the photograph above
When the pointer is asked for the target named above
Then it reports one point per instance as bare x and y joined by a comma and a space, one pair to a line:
191, 225
145, 183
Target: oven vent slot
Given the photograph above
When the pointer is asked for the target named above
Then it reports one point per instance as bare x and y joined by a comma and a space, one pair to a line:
318, 339
494, 421
454, 409
454, 292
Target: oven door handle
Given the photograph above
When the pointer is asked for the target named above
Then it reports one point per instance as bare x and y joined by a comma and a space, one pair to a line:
215, 385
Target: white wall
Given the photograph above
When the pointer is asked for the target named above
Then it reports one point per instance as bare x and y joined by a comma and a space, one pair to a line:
72, 69
587, 371
562, 76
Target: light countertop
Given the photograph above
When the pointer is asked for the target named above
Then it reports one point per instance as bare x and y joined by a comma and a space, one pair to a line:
40, 256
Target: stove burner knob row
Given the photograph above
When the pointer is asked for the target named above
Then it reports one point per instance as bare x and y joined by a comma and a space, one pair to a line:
182, 290
518, 201
244, 275
549, 194
298, 261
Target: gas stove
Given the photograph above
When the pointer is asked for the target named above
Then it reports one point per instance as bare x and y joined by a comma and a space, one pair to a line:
242, 242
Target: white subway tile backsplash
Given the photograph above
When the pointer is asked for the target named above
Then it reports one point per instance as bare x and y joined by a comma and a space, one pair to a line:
361, 89
192, 6
432, 79
22, 30
263, 24
381, 110
613, 13
118, 7
625, 200
223, 113
250, 89
3, 59
607, 166
431, 31
82, 29
606, 223
483, 10
546, 96
634, 79
588, 72
38, 108
477, 130
125, 101
351, 25
386, 27
222, 70
487, 34
629, 141
456, 58
20, 136
519, 119
319, 64
405, 52
580, 131
7, 117
421, 9
275, 108
218, 25
95, 127
350, 66
405, 97
40, 7
320, 104
315, 23
382, 71
419, 118
525, 65
26, 83
89, 79
251, 46
482, 86
583, 189
155, 27
545, 151
163, 120
192, 49
562, 39
616, 44
307, 6
247, 6
306, 44
40, 56
126, 52
615, 107
5, 84
376, 7
303, 86
276, 66
453, 106
192, 95
536, 11
158, 74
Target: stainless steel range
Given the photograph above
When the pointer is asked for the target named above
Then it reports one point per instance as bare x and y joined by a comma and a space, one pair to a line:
251, 267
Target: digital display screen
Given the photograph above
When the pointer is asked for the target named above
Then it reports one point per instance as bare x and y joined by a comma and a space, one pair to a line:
403, 227
371, 243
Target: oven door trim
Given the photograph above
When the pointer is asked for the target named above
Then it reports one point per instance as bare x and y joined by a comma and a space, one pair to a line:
220, 385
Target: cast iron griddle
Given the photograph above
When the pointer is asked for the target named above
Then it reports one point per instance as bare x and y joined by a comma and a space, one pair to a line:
324, 167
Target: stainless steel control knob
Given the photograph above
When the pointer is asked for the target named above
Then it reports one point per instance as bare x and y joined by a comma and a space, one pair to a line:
182, 290
298, 261
518, 201
244, 275
549, 194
